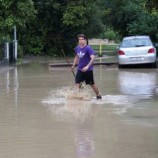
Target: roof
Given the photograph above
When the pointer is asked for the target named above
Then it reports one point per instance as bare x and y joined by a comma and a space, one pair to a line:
137, 36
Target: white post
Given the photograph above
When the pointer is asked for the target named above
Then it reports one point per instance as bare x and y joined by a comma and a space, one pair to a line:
15, 47
7, 50
15, 44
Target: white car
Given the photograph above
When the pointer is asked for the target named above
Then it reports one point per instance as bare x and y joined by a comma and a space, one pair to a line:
137, 50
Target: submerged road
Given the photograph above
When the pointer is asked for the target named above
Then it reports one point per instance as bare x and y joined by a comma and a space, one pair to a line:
37, 120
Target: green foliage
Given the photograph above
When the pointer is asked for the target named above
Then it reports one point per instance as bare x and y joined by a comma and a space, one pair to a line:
20, 51
57, 25
14, 13
45, 27
31, 39
133, 17
110, 34
145, 24
75, 15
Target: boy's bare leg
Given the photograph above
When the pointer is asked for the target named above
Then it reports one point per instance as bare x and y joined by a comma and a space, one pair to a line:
79, 86
96, 90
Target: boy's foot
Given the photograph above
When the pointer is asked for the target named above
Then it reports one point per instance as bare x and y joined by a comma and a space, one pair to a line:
99, 97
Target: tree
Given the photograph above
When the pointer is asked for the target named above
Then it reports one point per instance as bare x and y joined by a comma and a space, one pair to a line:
110, 34
145, 24
57, 24
13, 12
133, 16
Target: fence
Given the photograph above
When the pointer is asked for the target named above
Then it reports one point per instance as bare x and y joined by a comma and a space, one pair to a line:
8, 52
103, 49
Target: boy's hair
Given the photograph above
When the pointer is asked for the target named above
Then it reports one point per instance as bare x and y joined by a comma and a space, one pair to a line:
83, 36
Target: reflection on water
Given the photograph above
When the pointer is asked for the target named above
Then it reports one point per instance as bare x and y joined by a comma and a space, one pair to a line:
72, 108
9, 82
84, 137
82, 112
137, 83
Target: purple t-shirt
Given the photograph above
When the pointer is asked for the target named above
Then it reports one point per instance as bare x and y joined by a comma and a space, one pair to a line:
84, 56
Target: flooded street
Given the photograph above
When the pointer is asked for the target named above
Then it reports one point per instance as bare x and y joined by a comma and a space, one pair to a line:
37, 120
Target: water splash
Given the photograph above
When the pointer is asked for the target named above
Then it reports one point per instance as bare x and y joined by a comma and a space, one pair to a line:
74, 93
69, 96
59, 96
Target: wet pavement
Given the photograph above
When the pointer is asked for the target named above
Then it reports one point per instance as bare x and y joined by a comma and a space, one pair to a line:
37, 120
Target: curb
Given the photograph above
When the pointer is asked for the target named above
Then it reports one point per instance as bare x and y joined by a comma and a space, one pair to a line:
95, 63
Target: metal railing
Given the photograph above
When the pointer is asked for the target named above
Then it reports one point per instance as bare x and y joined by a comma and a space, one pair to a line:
7, 54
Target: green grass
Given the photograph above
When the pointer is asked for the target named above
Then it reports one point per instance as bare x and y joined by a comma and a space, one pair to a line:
111, 59
104, 47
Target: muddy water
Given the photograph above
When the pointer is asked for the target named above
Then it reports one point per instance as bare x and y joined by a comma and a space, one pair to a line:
38, 120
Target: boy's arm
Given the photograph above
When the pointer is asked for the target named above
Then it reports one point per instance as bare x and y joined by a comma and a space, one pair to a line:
75, 62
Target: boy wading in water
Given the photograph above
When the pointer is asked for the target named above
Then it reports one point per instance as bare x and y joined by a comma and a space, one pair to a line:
85, 56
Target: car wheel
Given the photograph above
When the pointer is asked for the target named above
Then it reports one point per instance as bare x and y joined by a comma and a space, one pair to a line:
120, 66
155, 64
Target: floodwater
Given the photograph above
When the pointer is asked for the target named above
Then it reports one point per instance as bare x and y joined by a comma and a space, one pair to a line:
38, 120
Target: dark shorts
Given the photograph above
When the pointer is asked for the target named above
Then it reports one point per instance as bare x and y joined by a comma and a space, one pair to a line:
84, 76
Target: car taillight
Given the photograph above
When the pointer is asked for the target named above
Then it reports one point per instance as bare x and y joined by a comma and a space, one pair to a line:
120, 52
151, 50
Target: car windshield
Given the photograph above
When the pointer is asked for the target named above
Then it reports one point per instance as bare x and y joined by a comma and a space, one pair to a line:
135, 42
